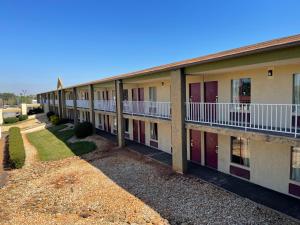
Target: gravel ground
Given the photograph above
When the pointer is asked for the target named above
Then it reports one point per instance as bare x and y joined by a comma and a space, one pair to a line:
120, 187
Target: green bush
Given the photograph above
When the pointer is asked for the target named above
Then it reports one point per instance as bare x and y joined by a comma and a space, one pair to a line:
10, 120
49, 114
83, 129
16, 147
23, 117
54, 120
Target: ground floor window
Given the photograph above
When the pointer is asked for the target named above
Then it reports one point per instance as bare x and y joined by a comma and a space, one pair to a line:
114, 124
240, 153
126, 125
295, 164
153, 131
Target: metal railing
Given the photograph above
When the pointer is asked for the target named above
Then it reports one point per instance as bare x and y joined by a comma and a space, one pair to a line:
148, 108
105, 105
83, 104
280, 118
69, 103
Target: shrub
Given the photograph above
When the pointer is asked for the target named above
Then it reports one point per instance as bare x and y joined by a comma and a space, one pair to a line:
35, 111
54, 119
83, 129
10, 120
23, 117
16, 147
49, 114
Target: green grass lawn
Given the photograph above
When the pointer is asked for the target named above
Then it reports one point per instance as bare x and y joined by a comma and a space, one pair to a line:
51, 144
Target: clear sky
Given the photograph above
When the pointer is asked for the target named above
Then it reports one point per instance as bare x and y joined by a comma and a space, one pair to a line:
85, 40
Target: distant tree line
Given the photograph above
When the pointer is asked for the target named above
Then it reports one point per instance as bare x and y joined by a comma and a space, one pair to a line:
13, 99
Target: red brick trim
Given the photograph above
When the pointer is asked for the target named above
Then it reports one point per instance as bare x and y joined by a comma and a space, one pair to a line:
240, 172
294, 189
154, 144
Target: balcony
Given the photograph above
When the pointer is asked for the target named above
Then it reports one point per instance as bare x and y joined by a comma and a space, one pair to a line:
147, 108
266, 118
69, 103
83, 104
105, 105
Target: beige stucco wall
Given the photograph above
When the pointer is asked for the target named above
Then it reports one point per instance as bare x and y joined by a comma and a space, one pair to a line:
264, 89
162, 87
269, 163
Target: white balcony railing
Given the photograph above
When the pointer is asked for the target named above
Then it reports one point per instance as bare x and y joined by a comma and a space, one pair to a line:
147, 108
105, 105
69, 103
83, 104
279, 118
56, 102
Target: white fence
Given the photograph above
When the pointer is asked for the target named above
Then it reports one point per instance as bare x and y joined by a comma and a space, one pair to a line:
105, 105
281, 118
69, 103
148, 108
83, 104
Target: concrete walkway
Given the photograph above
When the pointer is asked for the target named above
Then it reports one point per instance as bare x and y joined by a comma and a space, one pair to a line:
267, 197
30, 151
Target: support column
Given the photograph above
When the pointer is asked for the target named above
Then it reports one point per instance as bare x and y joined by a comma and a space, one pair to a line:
53, 101
75, 105
119, 113
59, 103
23, 109
48, 101
91, 109
63, 104
179, 149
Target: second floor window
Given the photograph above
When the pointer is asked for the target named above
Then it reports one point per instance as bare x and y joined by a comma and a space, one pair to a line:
296, 89
295, 164
241, 90
152, 94
125, 95
240, 153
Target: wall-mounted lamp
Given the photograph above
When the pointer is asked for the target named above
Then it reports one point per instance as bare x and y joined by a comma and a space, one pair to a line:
270, 73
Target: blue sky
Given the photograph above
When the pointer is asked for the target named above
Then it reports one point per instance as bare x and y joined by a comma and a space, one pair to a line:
85, 40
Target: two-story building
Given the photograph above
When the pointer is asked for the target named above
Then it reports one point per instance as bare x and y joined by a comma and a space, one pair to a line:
235, 111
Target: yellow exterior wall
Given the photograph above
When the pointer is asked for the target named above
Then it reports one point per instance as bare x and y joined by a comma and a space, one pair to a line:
269, 163
277, 89
162, 87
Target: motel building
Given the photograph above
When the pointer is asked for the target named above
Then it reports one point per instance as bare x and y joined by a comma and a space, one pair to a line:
236, 111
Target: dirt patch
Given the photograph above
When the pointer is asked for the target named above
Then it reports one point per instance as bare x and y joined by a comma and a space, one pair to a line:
64, 180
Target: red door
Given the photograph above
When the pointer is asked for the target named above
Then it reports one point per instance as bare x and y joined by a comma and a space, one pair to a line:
194, 92
195, 146
135, 130
211, 150
135, 94
142, 132
141, 94
210, 96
